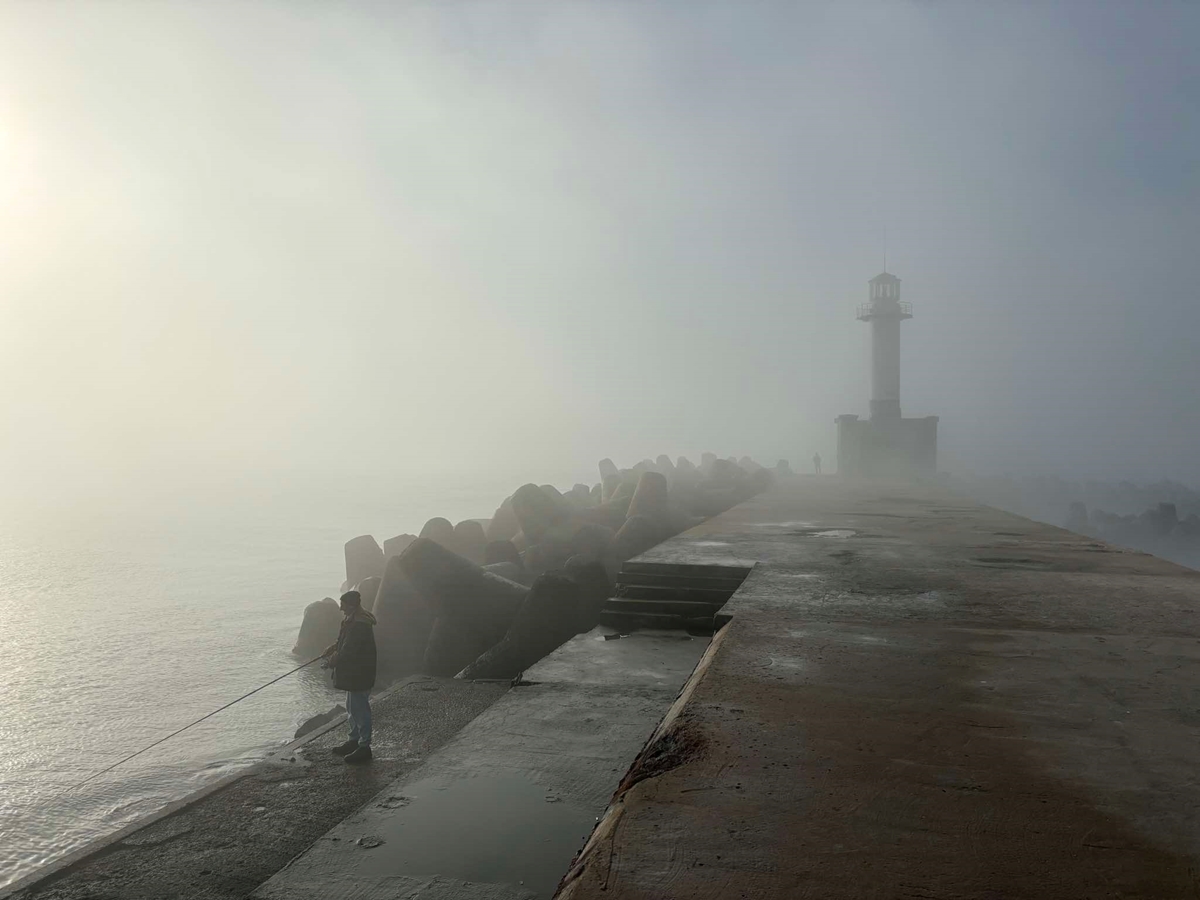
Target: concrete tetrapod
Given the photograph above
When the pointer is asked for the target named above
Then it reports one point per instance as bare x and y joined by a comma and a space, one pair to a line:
559, 499
440, 531
748, 465
403, 621
626, 489
609, 486
364, 558
611, 514
759, 481
651, 497
472, 608
470, 540
558, 606
582, 536
367, 589
551, 491
637, 535
723, 473
663, 464
537, 510
319, 628
520, 542
707, 502
607, 469
394, 546
510, 570
543, 557
501, 552
592, 540
503, 524
564, 540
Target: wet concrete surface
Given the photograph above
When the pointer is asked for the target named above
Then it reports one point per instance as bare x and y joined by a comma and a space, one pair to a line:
916, 696
501, 810
224, 845
491, 827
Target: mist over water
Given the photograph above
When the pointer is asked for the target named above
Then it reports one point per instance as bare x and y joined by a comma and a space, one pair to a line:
118, 629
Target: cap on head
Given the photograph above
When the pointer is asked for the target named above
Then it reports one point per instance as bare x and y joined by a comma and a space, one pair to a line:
351, 600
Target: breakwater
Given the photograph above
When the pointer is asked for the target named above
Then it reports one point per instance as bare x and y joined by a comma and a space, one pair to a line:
486, 598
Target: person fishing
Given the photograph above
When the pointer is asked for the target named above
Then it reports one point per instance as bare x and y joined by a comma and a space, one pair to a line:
352, 659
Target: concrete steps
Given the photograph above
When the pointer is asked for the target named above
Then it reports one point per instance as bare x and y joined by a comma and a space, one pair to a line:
667, 595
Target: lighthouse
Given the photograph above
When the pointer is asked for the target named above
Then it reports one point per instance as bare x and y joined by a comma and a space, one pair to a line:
886, 444
885, 311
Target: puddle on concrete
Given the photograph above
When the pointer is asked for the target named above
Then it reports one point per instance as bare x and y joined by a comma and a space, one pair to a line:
710, 543
1015, 562
793, 663
837, 637
825, 532
488, 828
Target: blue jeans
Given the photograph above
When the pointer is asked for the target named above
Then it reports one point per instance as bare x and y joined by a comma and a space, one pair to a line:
358, 707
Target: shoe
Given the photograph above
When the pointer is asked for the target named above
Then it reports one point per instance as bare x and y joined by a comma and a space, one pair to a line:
360, 755
345, 749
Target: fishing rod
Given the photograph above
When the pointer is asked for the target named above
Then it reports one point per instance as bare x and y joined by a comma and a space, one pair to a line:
189, 725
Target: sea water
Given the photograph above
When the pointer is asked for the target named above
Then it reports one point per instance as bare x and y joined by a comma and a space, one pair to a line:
119, 626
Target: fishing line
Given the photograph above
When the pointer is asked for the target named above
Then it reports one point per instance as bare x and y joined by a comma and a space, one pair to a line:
186, 727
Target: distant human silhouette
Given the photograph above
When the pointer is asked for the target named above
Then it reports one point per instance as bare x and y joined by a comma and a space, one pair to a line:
817, 463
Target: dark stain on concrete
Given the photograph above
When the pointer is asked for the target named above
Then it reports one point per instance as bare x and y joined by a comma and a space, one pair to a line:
683, 740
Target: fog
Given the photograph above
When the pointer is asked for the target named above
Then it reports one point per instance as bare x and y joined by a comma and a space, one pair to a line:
366, 244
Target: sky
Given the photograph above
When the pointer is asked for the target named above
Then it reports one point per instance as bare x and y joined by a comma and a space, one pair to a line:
343, 246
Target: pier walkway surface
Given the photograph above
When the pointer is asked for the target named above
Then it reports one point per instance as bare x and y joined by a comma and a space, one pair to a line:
500, 811
912, 696
916, 696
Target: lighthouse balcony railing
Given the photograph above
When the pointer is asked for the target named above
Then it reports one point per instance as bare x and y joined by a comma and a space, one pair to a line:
901, 308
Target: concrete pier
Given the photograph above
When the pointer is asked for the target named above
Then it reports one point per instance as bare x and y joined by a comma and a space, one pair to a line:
911, 695
499, 812
917, 696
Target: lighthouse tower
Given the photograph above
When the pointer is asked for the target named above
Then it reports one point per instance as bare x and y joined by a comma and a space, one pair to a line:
886, 445
885, 312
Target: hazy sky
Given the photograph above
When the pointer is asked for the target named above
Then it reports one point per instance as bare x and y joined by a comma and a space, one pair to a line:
287, 242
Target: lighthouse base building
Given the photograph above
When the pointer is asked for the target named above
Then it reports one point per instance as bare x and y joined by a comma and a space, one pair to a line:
896, 448
886, 445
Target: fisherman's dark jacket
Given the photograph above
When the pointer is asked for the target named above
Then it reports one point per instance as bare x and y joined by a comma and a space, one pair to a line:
354, 669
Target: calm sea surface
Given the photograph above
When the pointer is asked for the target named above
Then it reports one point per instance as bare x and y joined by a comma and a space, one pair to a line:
118, 628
